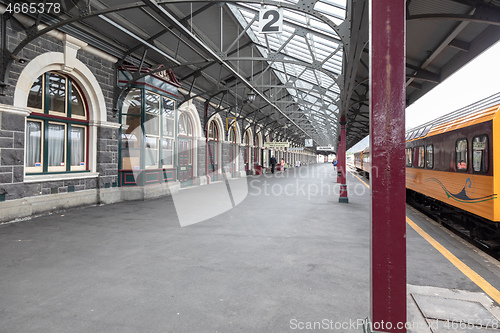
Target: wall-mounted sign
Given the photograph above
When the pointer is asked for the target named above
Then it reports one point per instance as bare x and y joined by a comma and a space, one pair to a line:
270, 20
309, 143
276, 144
326, 148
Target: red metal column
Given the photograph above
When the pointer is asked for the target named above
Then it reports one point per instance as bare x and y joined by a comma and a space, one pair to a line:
387, 142
341, 167
339, 174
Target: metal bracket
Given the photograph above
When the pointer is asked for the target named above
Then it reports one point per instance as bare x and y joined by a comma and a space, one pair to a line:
306, 5
222, 55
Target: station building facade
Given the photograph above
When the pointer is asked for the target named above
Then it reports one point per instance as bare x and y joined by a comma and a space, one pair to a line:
64, 142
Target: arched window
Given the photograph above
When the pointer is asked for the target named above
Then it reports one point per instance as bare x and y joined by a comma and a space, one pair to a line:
232, 135
57, 128
214, 135
213, 131
185, 125
256, 141
248, 138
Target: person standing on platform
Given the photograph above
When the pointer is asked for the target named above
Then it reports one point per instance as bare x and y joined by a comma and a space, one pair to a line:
273, 163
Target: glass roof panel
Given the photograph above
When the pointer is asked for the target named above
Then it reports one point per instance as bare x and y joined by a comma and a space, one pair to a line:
309, 56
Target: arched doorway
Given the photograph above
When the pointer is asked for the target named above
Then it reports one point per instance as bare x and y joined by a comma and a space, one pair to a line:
257, 149
185, 149
233, 152
247, 152
214, 134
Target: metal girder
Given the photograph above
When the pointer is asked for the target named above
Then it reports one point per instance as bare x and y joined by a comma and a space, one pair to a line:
287, 61
150, 43
317, 32
483, 14
167, 16
35, 33
144, 42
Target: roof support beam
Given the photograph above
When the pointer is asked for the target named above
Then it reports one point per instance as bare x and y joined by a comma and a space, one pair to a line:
167, 16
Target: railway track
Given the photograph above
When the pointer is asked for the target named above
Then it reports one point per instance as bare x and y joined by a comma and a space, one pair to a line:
490, 247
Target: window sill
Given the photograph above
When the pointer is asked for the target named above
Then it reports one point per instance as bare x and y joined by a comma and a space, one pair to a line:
59, 176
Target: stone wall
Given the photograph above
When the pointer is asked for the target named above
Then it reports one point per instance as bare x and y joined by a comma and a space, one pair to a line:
13, 123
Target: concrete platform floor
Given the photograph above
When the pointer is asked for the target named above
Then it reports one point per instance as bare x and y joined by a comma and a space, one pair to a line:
286, 257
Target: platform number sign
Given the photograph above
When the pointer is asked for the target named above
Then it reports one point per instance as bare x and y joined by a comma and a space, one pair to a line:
270, 20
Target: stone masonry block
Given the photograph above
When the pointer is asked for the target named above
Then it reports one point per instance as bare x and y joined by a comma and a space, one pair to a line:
11, 157
12, 122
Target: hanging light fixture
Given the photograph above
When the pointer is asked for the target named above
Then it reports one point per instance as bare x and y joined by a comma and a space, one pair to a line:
251, 96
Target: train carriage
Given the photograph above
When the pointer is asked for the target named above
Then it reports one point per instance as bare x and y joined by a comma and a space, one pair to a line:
455, 160
453, 166
362, 160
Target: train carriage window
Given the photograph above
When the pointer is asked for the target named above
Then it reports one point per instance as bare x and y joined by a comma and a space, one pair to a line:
419, 156
480, 153
408, 157
429, 157
461, 155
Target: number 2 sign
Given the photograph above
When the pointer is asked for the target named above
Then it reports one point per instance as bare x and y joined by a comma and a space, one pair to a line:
270, 20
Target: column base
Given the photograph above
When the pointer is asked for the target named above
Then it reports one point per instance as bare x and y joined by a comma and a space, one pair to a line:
367, 326
343, 200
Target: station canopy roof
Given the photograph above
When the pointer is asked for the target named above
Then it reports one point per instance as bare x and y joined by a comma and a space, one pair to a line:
298, 82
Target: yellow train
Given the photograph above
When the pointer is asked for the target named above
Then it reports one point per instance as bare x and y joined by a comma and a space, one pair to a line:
362, 161
453, 166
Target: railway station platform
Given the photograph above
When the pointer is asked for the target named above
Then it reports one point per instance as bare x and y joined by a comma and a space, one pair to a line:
284, 256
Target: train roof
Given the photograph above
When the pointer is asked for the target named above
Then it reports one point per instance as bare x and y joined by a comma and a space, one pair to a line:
478, 112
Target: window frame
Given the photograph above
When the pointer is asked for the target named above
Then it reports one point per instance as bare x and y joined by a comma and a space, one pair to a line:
409, 153
45, 117
58, 168
417, 156
142, 156
427, 157
46, 101
164, 135
464, 170
155, 136
85, 149
213, 131
35, 169
486, 154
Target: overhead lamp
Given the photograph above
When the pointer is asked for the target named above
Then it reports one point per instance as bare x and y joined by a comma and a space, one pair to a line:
20, 60
251, 96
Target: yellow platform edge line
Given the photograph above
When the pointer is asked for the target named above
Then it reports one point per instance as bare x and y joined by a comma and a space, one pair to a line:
360, 179
472, 275
466, 270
